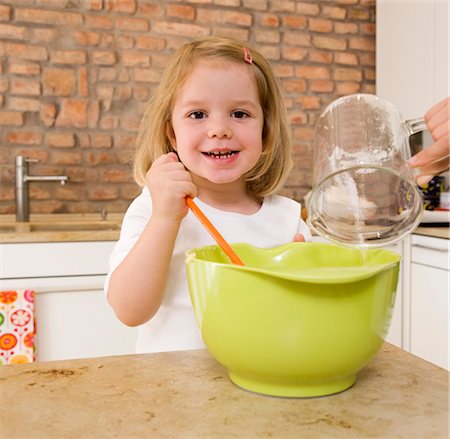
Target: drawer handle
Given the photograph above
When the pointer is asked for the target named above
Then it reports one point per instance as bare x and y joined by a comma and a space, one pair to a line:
439, 249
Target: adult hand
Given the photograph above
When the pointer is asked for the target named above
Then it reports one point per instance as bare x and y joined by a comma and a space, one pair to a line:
435, 158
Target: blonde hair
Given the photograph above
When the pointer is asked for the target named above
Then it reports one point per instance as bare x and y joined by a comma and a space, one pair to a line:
272, 169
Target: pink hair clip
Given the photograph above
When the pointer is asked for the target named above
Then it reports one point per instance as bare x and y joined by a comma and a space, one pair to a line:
247, 56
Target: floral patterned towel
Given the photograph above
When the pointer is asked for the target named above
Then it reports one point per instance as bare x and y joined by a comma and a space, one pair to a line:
17, 327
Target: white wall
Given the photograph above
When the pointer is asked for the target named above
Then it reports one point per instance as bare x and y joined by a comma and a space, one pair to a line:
412, 44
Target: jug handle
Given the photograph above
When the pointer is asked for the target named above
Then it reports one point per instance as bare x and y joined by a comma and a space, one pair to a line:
415, 125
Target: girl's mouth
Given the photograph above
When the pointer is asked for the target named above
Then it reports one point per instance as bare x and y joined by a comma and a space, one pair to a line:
220, 154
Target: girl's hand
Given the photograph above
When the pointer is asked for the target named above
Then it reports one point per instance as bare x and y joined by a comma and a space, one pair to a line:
435, 158
299, 238
169, 183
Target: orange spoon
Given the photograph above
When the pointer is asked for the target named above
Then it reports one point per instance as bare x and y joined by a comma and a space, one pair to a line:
214, 232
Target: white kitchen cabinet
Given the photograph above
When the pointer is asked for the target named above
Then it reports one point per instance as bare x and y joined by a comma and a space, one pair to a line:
412, 53
429, 299
73, 319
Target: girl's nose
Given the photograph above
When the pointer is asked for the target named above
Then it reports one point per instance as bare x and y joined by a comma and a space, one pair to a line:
219, 129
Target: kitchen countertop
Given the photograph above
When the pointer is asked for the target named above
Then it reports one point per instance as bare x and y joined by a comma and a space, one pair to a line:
61, 228
91, 227
435, 232
187, 394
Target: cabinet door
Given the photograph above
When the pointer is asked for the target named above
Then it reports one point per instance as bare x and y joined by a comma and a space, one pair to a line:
430, 313
78, 323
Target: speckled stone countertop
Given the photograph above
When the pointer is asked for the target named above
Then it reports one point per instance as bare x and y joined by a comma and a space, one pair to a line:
188, 395
61, 228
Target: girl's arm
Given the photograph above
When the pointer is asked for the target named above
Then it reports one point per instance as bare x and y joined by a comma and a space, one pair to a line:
137, 285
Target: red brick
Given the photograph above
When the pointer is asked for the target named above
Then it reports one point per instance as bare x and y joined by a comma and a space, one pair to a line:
12, 31
265, 36
307, 8
345, 28
309, 102
269, 20
334, 12
26, 69
60, 140
48, 17
297, 39
98, 22
294, 53
11, 118
283, 70
257, 5
103, 57
24, 137
359, 14
312, 72
134, 24
68, 193
320, 25
123, 6
362, 43
295, 21
86, 38
93, 5
319, 56
346, 58
124, 41
294, 85
93, 113
304, 133
58, 81
322, 86
25, 87
189, 30
5, 12
135, 59
146, 75
67, 157
47, 114
149, 42
100, 141
346, 88
100, 158
4, 84
26, 51
150, 9
68, 57
105, 192
73, 113
329, 43
283, 5
44, 35
181, 11
23, 104
232, 32
115, 175
83, 82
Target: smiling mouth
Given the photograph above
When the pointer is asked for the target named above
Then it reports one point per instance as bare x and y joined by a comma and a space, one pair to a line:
221, 154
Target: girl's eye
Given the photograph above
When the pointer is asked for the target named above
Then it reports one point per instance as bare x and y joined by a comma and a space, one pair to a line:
239, 114
197, 115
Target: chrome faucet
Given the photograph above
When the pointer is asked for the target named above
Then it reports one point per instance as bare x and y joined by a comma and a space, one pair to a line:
22, 180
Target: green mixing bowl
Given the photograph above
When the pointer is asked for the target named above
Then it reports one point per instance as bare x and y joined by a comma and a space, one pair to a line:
297, 320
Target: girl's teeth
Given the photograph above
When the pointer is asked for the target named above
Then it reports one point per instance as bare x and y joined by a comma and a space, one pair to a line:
221, 155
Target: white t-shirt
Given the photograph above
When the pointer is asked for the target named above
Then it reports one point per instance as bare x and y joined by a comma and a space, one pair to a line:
173, 327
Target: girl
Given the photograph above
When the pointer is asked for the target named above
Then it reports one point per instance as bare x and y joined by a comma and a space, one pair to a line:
216, 129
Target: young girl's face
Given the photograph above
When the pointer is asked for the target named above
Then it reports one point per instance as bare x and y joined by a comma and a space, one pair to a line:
218, 122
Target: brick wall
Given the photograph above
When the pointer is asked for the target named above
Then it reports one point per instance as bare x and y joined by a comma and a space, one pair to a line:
75, 76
